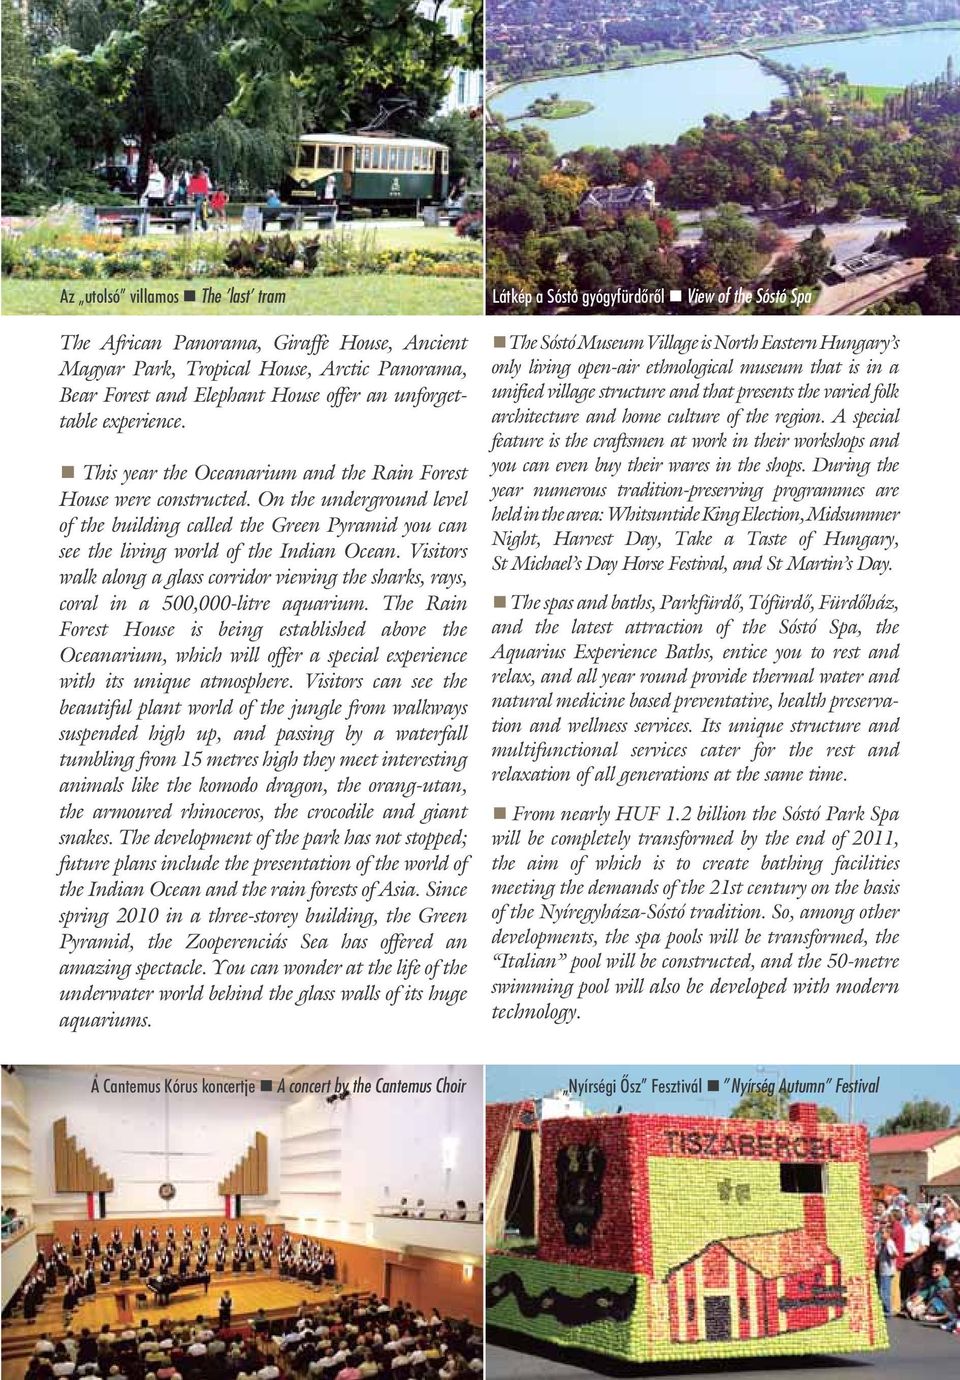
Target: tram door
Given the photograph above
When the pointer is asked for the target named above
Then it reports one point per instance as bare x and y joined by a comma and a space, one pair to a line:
438, 174
348, 152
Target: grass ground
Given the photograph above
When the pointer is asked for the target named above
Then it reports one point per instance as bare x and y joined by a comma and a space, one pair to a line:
350, 295
371, 294
566, 110
873, 97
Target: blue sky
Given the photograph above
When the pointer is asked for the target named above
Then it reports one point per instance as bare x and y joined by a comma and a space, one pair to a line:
897, 1084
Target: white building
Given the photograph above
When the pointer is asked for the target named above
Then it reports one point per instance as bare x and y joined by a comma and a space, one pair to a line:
465, 91
559, 1104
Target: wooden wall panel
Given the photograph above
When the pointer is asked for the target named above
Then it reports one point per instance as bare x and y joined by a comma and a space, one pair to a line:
249, 1175
438, 1283
73, 1169
63, 1227
60, 1152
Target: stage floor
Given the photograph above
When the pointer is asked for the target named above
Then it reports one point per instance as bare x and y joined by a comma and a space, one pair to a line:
249, 1293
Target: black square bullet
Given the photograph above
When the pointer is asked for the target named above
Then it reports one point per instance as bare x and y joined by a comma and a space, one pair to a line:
713, 1085
499, 601
499, 812
266, 1085
66, 471
499, 342
189, 295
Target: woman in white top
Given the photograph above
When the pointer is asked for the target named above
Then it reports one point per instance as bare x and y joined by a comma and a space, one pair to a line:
156, 188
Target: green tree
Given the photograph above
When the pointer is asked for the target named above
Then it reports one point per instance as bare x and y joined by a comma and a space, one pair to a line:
939, 295
343, 57
472, 32
933, 230
522, 214
919, 1115
813, 256
760, 1105
158, 71
730, 243
464, 137
29, 131
852, 198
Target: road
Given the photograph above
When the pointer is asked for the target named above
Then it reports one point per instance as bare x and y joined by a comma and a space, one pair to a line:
853, 297
916, 1353
845, 238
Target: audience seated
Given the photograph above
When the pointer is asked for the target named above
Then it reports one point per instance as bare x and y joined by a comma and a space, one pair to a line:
352, 1339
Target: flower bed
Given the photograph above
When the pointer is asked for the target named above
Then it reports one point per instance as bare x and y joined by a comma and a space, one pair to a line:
43, 253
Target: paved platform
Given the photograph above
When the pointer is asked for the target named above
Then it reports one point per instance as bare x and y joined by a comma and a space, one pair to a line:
916, 1353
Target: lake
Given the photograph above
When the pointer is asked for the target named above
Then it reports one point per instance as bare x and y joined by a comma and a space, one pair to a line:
655, 104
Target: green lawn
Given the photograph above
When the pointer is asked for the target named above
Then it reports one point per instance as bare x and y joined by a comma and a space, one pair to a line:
873, 96
561, 110
371, 294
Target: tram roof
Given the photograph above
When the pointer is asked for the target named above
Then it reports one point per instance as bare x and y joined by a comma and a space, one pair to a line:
369, 139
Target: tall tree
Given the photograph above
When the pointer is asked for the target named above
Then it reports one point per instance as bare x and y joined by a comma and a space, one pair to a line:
167, 72
343, 57
760, 1105
919, 1115
157, 69
29, 131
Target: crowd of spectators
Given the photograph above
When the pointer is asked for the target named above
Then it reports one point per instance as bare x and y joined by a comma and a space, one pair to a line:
918, 1259
359, 1338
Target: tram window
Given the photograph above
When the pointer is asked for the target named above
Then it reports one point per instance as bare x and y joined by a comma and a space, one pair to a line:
307, 156
366, 155
408, 159
446, 160
326, 156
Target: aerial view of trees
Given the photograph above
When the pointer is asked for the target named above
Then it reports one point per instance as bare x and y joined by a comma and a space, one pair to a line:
526, 37
231, 82
747, 180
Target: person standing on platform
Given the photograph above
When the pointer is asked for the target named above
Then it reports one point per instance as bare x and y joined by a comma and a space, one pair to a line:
225, 1308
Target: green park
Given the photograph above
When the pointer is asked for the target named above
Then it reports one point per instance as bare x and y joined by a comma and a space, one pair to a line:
281, 156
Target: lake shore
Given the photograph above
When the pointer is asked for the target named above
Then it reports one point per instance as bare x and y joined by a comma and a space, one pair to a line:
666, 56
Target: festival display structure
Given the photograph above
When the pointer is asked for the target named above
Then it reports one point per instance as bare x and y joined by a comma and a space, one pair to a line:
665, 1238
512, 1167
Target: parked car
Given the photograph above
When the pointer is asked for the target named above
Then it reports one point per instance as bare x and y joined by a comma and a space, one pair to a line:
119, 177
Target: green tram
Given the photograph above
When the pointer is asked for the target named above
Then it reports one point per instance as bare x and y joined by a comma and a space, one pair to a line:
381, 171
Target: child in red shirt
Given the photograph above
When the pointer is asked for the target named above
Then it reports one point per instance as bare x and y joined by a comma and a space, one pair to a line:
218, 205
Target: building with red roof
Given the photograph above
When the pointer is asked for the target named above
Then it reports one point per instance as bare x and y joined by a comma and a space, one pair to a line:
916, 1159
